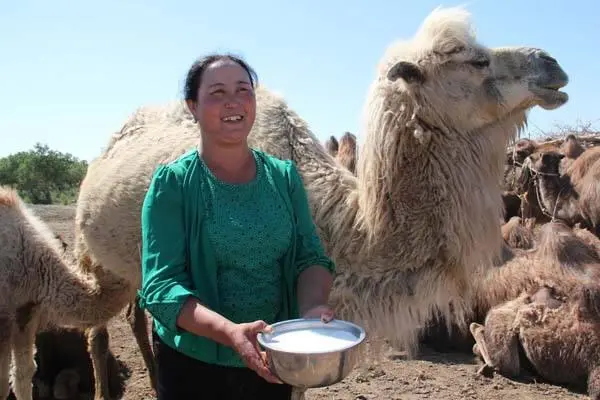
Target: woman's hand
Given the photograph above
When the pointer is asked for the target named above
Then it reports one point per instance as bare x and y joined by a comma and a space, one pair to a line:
243, 340
322, 311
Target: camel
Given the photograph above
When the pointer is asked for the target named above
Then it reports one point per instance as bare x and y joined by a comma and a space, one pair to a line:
64, 368
562, 258
347, 152
519, 181
332, 146
420, 217
572, 197
43, 288
557, 332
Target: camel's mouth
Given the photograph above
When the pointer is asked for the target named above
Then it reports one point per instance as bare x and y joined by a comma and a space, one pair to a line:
549, 96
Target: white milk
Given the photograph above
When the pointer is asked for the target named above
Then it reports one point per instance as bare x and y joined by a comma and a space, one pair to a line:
311, 340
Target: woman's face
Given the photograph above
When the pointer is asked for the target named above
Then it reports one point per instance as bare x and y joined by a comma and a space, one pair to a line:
225, 107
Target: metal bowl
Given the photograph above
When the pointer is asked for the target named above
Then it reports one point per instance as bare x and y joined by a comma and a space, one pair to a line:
312, 368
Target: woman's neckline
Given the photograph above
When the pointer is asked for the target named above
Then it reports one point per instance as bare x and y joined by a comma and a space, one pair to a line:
232, 185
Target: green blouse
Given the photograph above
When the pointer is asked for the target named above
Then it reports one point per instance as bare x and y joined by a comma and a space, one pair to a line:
238, 248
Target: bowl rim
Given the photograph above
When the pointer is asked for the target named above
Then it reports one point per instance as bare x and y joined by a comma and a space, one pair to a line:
361, 337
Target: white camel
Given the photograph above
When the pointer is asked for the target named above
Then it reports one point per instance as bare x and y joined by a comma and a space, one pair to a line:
420, 217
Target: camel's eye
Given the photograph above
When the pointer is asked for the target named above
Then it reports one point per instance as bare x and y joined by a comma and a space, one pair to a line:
480, 63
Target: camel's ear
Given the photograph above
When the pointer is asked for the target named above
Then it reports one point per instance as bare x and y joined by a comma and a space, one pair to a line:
407, 71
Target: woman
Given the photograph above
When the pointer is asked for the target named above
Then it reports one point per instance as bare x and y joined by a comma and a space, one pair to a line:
229, 247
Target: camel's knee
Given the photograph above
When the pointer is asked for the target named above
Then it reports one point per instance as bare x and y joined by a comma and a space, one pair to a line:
594, 383
474, 328
97, 339
476, 351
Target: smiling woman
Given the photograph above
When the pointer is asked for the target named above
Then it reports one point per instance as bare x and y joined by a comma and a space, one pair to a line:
228, 247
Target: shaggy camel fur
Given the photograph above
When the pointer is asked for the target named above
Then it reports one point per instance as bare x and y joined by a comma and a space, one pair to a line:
518, 236
347, 152
421, 216
42, 288
64, 368
332, 146
558, 333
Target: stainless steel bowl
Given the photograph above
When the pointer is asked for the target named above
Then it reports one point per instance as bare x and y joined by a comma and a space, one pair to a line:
312, 369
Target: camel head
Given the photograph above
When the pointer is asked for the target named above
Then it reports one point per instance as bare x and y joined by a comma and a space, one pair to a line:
454, 81
547, 162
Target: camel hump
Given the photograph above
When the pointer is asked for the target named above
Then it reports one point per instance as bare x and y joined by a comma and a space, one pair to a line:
9, 197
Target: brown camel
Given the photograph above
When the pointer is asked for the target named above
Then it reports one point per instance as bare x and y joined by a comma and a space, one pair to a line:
420, 217
573, 197
561, 254
557, 331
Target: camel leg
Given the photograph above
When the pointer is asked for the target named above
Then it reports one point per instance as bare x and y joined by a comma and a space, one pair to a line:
98, 348
6, 328
480, 348
500, 353
137, 320
594, 383
23, 346
298, 394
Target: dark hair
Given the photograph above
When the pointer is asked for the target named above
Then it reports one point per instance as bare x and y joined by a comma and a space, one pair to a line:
194, 75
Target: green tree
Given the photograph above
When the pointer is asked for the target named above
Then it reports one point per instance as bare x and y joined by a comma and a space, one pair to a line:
43, 175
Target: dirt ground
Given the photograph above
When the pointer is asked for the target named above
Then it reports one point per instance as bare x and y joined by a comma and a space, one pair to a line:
431, 376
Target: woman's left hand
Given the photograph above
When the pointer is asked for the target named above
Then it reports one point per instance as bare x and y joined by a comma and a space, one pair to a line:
322, 311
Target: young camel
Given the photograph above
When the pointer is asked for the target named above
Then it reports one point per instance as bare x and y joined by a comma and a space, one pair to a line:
557, 331
347, 152
421, 215
42, 288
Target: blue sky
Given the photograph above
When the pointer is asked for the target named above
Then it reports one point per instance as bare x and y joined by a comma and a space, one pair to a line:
72, 71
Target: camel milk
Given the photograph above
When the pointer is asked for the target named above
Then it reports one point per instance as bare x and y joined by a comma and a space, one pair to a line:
312, 340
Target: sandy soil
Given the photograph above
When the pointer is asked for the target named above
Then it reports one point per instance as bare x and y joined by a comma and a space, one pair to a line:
431, 376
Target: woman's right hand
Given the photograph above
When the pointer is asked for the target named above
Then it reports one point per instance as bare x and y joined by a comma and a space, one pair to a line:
243, 340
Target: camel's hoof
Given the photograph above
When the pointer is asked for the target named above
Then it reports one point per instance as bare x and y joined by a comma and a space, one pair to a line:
486, 371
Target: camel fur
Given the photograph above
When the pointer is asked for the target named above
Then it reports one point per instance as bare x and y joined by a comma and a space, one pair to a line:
420, 217
42, 288
518, 235
348, 152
